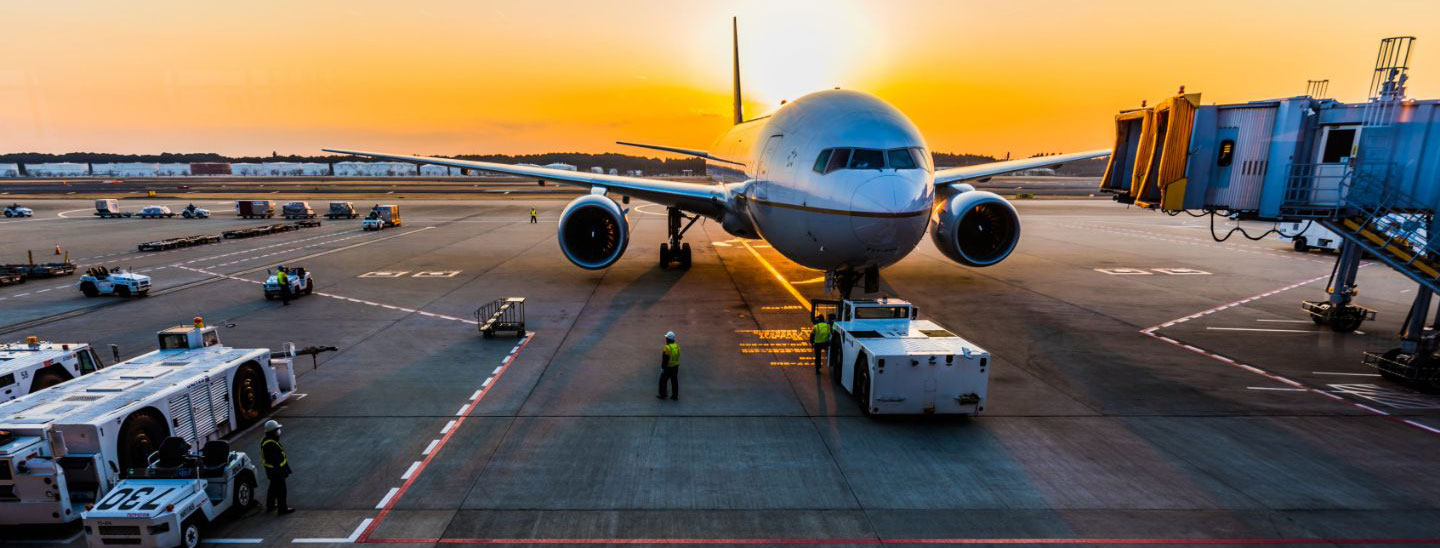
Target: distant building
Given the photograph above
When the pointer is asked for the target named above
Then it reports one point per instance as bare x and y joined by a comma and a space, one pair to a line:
9, 170
314, 169
1037, 172
244, 169
172, 170
209, 168
281, 169
614, 171
635, 173
123, 170
558, 165
374, 169
433, 170
58, 169
597, 169
687, 172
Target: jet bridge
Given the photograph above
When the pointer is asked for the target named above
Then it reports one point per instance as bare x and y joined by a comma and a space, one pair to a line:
1368, 171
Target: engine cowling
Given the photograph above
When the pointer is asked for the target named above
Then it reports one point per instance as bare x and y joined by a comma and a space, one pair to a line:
975, 228
593, 232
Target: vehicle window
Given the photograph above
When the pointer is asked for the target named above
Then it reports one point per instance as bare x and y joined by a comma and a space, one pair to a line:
838, 160
172, 341
211, 339
87, 361
901, 158
881, 313
7, 380
922, 158
823, 160
865, 158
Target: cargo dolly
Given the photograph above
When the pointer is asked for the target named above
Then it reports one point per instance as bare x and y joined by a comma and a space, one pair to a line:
502, 315
176, 243
41, 270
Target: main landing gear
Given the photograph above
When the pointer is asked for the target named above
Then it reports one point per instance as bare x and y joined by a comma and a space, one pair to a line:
1337, 312
1415, 363
674, 251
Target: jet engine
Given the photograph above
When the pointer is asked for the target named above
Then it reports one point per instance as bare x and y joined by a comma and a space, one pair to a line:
593, 231
974, 227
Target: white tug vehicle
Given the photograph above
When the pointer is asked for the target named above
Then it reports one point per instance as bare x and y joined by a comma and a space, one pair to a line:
64, 449
178, 492
35, 365
895, 363
99, 280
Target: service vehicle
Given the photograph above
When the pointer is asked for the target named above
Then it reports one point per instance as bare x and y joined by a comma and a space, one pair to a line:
342, 210
155, 212
17, 210
298, 210
108, 208
382, 216
99, 280
1308, 235
892, 362
255, 209
69, 445
300, 283
192, 212
34, 365
173, 497
11, 276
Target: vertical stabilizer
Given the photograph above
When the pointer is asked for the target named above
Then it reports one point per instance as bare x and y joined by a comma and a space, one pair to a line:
735, 57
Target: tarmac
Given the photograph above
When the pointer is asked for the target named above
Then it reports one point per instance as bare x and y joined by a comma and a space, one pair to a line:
1150, 386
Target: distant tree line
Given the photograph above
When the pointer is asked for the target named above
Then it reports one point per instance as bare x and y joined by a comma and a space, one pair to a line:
583, 161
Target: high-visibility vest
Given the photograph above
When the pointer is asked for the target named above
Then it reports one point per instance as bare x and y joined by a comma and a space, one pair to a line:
672, 351
821, 334
532, 212
281, 278
284, 459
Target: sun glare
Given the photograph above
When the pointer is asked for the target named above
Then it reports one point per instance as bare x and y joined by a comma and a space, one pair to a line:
792, 48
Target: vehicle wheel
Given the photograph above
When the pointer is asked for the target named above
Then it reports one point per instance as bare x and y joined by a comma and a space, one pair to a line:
309, 287
89, 289
122, 291
46, 378
487, 333
249, 394
9, 214
685, 256
1301, 246
862, 390
190, 534
1346, 322
664, 256
140, 435
244, 493
269, 297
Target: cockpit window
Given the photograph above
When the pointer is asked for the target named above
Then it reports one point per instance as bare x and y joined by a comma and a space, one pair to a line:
901, 158
823, 160
832, 159
838, 160
865, 158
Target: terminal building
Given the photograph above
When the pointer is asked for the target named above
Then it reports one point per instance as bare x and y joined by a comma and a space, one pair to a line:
1368, 171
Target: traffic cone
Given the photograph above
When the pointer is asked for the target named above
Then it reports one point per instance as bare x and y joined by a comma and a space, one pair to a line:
57, 249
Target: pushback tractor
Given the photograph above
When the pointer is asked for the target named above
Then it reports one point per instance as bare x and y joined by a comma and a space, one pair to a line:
65, 448
35, 365
894, 363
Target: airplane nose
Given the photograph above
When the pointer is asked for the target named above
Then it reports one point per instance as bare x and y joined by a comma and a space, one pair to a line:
878, 205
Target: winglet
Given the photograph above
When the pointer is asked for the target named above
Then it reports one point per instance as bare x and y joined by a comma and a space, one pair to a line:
735, 59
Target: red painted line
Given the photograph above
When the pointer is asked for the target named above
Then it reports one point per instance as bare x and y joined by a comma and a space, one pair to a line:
385, 511
955, 541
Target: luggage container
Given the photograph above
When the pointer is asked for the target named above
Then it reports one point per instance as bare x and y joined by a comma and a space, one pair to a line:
342, 210
65, 447
298, 210
109, 208
255, 209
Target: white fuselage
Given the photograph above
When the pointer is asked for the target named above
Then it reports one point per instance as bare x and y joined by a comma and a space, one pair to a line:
827, 217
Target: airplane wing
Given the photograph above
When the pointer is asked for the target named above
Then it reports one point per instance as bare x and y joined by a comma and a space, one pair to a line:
985, 171
705, 199
686, 151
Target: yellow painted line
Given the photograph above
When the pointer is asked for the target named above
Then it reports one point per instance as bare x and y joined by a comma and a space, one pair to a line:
798, 297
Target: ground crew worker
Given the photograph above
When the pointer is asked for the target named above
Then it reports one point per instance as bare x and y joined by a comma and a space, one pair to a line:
820, 337
282, 278
532, 216
670, 367
277, 468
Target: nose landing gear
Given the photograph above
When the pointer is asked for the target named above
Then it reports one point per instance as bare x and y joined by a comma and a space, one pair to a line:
846, 280
674, 251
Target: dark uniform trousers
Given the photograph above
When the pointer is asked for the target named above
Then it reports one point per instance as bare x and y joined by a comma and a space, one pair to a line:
277, 468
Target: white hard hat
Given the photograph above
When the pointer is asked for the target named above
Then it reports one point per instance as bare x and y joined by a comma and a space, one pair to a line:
670, 335
271, 426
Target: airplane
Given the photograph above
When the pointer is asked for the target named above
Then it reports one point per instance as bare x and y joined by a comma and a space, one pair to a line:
838, 181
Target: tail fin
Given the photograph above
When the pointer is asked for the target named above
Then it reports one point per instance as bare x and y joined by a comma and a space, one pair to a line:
735, 57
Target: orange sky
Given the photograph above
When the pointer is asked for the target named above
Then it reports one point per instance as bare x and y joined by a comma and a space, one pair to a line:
471, 76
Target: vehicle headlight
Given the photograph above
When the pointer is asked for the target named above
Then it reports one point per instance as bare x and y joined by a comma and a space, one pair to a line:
161, 528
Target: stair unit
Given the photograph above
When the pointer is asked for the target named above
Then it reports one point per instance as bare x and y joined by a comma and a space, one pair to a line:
1369, 172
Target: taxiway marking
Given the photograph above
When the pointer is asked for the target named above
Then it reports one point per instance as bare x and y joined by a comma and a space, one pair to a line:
786, 283
1262, 330
347, 540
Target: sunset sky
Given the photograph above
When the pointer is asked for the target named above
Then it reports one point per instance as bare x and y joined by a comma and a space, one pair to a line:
472, 76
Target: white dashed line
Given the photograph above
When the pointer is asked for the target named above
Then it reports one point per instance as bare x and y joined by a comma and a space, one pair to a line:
474, 396
431, 447
410, 471
388, 495
355, 535
462, 410
449, 425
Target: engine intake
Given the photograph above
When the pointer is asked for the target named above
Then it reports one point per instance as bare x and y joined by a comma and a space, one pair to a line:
976, 228
593, 232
